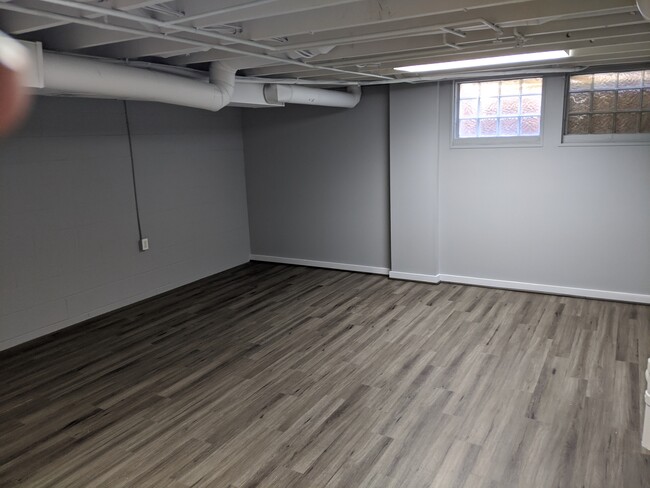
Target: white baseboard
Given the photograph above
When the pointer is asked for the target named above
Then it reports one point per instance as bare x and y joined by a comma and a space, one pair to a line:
320, 264
399, 275
464, 280
446, 278
552, 289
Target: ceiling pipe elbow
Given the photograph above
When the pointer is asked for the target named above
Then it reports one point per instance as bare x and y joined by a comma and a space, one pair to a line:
222, 78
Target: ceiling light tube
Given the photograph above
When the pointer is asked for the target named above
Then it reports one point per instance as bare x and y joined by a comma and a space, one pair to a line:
480, 62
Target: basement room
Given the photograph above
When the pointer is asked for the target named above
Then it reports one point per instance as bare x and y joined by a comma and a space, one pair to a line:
325, 243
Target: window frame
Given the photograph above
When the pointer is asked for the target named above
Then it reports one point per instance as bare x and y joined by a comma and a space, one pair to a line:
632, 139
497, 141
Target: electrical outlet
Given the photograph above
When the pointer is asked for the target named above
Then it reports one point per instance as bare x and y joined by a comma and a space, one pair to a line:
144, 244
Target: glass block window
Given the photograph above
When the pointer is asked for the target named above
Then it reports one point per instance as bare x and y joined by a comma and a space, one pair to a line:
501, 108
609, 103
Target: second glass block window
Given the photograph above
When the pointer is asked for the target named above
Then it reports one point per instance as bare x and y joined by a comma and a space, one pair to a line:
608, 103
503, 108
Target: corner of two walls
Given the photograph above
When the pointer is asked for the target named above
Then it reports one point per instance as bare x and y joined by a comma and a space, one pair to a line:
353, 189
69, 242
414, 143
317, 181
380, 187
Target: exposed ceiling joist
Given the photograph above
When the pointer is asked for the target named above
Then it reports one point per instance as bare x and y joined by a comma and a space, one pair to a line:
327, 40
197, 13
200, 13
572, 29
357, 14
512, 15
503, 16
17, 23
385, 64
207, 45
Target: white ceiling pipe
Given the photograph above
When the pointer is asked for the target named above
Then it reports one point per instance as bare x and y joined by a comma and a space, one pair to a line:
81, 76
87, 77
312, 96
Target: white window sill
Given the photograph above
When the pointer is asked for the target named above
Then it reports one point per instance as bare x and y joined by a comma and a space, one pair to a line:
606, 140
496, 142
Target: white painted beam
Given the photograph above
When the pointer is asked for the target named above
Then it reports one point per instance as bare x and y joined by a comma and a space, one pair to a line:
624, 35
511, 16
200, 13
596, 27
357, 14
133, 4
140, 48
75, 37
17, 23
518, 14
191, 42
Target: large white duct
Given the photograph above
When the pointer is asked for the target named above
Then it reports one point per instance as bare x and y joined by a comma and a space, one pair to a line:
276, 94
73, 75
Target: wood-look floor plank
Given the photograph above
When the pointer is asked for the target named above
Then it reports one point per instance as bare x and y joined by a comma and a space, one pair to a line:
279, 376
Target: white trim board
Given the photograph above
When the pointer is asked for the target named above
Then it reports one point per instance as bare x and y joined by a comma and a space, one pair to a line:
399, 275
551, 289
320, 264
464, 280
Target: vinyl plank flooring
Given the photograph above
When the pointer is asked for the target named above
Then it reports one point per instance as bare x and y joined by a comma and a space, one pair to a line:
282, 376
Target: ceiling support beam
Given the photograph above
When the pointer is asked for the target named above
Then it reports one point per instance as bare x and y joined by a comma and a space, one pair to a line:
154, 22
357, 14
207, 45
201, 13
512, 15
505, 15
16, 23
597, 27
384, 63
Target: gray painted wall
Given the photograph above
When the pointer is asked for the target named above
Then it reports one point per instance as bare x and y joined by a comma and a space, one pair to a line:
574, 216
554, 215
317, 182
69, 241
414, 179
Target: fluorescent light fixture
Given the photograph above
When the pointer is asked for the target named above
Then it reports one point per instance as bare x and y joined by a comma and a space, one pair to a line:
494, 61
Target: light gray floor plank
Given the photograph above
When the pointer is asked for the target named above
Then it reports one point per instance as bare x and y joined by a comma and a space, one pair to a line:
280, 376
